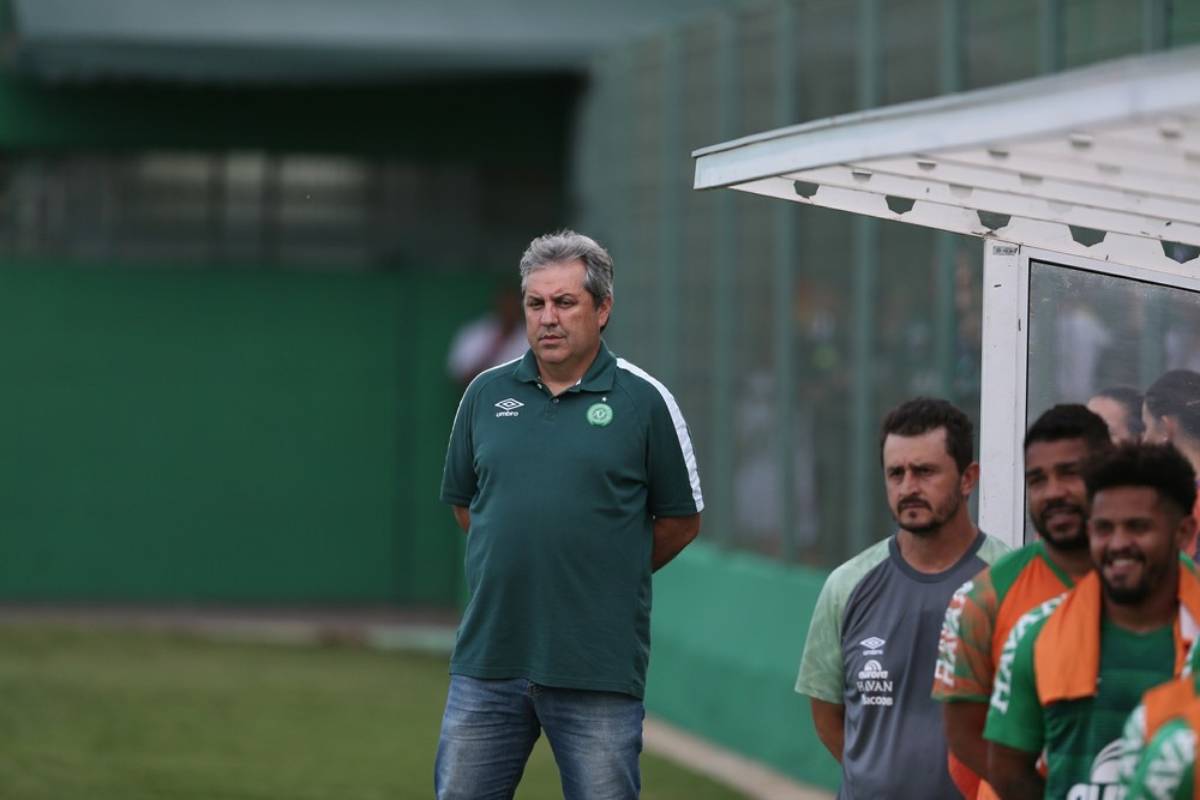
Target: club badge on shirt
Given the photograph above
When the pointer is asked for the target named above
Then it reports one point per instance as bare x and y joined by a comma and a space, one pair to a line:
599, 414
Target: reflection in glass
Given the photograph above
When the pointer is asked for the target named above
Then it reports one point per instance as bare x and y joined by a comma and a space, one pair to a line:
1107, 341
1090, 332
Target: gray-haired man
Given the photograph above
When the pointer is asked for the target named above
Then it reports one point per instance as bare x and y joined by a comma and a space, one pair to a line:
572, 471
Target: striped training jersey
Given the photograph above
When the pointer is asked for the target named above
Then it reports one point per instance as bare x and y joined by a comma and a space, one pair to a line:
978, 621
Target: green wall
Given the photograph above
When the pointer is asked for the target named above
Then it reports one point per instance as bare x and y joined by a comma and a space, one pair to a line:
232, 436
727, 632
461, 120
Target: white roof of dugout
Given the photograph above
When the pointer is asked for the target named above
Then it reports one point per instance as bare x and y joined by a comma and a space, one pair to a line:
1102, 162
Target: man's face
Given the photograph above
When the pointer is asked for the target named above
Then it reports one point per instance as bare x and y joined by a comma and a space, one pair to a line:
924, 486
1115, 416
1134, 539
1156, 428
1056, 492
562, 321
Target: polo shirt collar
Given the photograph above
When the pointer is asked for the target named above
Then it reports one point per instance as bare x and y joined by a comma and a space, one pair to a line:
598, 378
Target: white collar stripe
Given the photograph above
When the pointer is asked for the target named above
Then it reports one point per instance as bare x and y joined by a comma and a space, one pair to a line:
681, 431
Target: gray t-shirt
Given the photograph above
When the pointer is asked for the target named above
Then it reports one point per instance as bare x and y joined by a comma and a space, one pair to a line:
872, 647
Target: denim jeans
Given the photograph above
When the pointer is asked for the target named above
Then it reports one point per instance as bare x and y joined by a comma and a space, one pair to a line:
490, 726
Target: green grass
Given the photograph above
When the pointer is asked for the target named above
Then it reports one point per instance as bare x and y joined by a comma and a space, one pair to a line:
140, 716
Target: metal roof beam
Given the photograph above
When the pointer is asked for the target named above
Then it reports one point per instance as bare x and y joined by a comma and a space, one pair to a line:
1123, 248
1024, 205
1048, 188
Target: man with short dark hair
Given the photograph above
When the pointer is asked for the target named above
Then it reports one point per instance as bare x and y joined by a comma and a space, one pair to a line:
983, 611
573, 475
1074, 668
873, 638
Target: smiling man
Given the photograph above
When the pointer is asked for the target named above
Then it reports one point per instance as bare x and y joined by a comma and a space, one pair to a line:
1075, 667
572, 473
985, 608
873, 638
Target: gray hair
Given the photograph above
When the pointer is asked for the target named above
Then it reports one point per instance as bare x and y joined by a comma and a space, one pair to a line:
565, 246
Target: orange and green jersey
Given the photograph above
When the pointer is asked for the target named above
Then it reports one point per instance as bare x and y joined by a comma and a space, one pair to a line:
977, 624
1067, 679
1165, 769
983, 612
1159, 741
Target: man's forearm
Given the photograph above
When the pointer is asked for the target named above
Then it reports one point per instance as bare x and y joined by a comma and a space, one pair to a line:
829, 720
671, 535
1019, 787
1013, 773
462, 516
964, 723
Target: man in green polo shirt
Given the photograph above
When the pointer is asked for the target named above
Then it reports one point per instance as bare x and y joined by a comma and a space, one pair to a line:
573, 474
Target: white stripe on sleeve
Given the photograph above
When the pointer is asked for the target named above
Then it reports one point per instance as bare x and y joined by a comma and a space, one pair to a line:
681, 431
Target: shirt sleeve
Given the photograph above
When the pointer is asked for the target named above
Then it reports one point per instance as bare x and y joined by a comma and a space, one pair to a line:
964, 666
674, 481
1015, 715
1166, 768
821, 672
458, 475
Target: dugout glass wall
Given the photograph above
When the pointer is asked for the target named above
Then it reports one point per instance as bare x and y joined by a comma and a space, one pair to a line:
1064, 329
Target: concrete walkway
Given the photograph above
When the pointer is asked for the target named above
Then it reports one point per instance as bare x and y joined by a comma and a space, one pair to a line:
392, 629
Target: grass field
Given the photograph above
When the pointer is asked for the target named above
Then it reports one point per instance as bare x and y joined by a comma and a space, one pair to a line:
141, 716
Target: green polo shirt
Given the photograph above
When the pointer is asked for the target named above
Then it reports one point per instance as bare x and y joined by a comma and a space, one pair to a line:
563, 492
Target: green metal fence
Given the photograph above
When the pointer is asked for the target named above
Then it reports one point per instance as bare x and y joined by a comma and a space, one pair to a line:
787, 331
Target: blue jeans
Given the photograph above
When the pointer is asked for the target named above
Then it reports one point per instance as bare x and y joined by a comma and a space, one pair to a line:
490, 726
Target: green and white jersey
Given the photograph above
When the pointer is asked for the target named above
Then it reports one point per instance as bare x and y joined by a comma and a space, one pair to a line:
1082, 738
1166, 769
563, 492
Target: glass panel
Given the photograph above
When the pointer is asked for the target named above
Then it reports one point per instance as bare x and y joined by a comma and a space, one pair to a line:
1091, 333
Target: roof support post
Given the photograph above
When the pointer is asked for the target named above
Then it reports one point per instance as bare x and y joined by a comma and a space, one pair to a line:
784, 229
950, 79
724, 290
1002, 391
865, 260
1051, 36
670, 207
1156, 25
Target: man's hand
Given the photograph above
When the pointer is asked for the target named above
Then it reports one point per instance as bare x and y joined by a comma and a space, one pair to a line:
830, 721
1013, 773
462, 515
672, 534
964, 734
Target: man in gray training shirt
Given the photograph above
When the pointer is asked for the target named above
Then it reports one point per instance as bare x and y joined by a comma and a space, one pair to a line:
873, 641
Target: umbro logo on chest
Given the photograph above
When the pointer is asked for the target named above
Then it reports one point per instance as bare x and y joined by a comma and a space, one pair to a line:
508, 408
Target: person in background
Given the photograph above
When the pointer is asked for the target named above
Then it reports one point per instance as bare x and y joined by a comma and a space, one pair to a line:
872, 642
1121, 409
1075, 667
1171, 413
983, 611
490, 340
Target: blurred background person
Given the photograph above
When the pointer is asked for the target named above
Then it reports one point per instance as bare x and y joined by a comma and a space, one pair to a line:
492, 339
1171, 413
1121, 409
